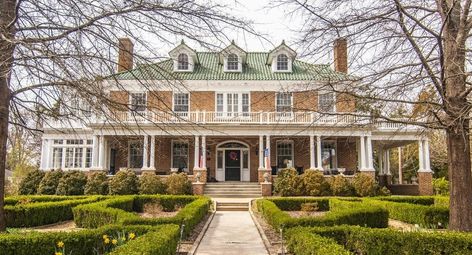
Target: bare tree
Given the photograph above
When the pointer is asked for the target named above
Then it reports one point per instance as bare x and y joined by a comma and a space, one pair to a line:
398, 49
54, 52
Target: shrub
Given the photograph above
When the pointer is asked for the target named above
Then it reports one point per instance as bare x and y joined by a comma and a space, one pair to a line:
97, 184
29, 185
295, 203
125, 182
72, 183
313, 183
301, 242
441, 186
48, 184
364, 185
309, 207
340, 186
150, 183
286, 183
178, 184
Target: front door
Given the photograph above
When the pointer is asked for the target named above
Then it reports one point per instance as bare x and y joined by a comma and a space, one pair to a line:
232, 165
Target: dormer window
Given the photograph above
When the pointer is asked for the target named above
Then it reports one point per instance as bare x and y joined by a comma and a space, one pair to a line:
282, 62
232, 63
182, 62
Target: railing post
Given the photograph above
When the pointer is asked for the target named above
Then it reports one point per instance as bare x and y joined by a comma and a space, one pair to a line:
268, 118
260, 117
204, 117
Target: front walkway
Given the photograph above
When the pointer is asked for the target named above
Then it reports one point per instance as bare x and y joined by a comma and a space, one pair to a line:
231, 233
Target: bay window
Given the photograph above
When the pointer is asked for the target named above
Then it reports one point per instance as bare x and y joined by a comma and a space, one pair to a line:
71, 154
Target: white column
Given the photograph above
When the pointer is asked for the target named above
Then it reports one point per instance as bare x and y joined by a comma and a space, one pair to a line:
381, 158
427, 163
319, 164
387, 162
101, 153
203, 152
400, 167
312, 152
196, 152
44, 154
152, 161
268, 166
261, 152
370, 159
145, 152
420, 156
49, 158
363, 151
95, 147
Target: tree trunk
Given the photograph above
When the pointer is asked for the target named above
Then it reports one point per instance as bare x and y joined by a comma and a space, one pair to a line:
7, 14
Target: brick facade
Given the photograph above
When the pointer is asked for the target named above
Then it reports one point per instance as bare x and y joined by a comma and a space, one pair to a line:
263, 101
159, 100
202, 101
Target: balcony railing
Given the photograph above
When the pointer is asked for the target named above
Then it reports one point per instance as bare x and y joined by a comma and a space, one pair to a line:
254, 118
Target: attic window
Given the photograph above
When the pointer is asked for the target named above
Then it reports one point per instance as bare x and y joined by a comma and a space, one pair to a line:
282, 62
182, 62
232, 62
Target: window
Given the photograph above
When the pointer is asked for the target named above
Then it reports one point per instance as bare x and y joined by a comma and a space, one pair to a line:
138, 102
284, 104
88, 157
245, 104
219, 103
328, 155
284, 154
232, 63
181, 103
136, 154
74, 141
57, 158
326, 102
180, 155
282, 62
182, 62
73, 157
72, 154
234, 103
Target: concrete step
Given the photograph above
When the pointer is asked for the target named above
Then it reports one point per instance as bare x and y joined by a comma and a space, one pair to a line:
258, 189
232, 192
232, 206
234, 195
231, 186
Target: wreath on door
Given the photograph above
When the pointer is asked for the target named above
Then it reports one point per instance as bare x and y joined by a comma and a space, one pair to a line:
233, 155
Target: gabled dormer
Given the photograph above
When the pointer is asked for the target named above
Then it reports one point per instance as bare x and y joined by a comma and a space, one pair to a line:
281, 58
184, 57
233, 58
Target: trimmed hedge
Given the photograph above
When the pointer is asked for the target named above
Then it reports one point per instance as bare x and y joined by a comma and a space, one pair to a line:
120, 210
14, 200
418, 200
340, 212
295, 203
392, 242
162, 242
302, 242
43, 213
82, 242
424, 215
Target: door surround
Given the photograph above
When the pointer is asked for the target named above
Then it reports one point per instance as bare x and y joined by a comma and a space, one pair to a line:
243, 148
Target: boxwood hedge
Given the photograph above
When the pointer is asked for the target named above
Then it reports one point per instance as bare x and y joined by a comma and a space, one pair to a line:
302, 242
361, 240
340, 212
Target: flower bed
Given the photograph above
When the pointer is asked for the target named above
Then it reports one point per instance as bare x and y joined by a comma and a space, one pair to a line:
340, 212
360, 240
121, 210
40, 212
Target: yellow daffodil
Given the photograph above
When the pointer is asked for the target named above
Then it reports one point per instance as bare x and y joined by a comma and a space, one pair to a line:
114, 241
132, 235
105, 237
58, 253
60, 244
106, 240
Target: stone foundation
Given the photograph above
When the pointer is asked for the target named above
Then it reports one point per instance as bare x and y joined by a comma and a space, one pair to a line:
260, 175
266, 189
425, 183
203, 174
198, 188
370, 173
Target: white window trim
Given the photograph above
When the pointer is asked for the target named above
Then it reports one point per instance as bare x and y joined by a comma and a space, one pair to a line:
173, 104
277, 152
290, 114
172, 153
129, 152
274, 64
225, 104
130, 100
335, 142
334, 100
63, 146
225, 64
191, 63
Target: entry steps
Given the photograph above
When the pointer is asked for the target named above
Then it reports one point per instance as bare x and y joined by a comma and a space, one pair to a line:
233, 189
232, 206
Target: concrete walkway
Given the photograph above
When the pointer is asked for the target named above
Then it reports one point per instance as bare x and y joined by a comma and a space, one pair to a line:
231, 233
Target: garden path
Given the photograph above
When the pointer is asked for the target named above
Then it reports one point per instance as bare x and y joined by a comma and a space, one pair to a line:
231, 232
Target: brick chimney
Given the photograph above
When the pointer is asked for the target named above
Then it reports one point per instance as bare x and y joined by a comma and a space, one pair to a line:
125, 54
340, 55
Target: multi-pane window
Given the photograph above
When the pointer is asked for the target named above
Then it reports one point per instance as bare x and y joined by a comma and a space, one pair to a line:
328, 155
245, 104
284, 154
219, 103
74, 141
233, 103
182, 62
73, 158
88, 157
282, 62
57, 158
180, 155
71, 154
181, 103
232, 62
284, 104
138, 102
135, 154
326, 102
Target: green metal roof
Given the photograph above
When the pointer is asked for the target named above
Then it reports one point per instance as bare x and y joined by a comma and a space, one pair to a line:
254, 69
